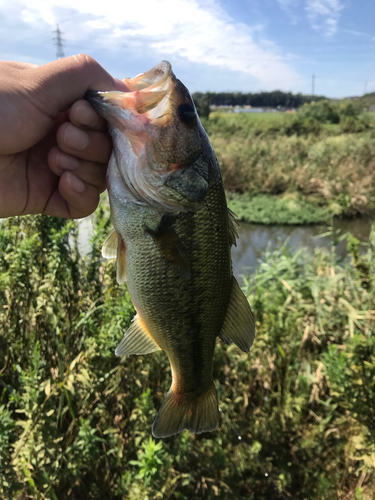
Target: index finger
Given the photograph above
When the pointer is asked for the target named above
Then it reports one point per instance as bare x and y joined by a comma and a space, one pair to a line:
65, 81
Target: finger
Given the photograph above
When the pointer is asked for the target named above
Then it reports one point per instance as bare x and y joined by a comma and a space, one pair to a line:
18, 65
73, 199
62, 82
83, 115
84, 144
89, 172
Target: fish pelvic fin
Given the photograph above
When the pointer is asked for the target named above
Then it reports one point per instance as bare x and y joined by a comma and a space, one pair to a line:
136, 340
196, 413
121, 261
239, 324
114, 246
109, 249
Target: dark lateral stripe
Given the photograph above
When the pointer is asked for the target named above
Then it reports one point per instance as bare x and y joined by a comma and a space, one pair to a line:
191, 349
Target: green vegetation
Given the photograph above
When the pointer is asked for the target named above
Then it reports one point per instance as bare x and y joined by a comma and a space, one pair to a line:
365, 102
267, 209
322, 156
75, 421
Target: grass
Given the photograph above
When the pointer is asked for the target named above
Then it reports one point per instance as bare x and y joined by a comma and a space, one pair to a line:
281, 210
75, 421
330, 173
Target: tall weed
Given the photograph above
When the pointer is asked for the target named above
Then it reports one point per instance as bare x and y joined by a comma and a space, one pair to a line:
75, 421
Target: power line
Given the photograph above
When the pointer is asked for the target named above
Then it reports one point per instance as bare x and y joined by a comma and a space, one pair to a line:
59, 43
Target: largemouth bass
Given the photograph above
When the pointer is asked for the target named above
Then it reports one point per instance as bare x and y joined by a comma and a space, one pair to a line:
172, 238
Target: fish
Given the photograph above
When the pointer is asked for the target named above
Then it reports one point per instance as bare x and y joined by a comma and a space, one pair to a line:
172, 239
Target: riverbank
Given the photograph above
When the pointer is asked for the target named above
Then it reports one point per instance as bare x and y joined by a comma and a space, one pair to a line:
276, 210
292, 169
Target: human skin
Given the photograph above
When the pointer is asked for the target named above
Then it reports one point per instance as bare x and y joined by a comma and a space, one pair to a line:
54, 148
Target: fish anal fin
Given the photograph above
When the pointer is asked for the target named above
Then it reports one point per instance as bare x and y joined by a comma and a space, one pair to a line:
137, 340
171, 247
196, 413
233, 225
121, 261
239, 324
109, 249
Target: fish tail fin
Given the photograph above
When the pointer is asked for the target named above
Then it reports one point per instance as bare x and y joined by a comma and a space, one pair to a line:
196, 413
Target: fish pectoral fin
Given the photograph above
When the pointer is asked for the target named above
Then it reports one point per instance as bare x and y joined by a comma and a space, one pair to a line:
109, 249
136, 340
239, 324
172, 248
233, 226
194, 412
121, 262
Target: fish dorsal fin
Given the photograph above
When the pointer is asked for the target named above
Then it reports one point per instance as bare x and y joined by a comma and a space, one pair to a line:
233, 226
136, 340
238, 325
171, 247
109, 249
121, 262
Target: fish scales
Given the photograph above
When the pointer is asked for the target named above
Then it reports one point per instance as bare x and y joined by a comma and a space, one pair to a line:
184, 316
172, 239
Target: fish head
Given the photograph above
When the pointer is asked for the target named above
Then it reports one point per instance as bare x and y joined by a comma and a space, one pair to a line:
160, 147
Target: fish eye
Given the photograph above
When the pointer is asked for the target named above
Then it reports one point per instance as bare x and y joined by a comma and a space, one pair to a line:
187, 114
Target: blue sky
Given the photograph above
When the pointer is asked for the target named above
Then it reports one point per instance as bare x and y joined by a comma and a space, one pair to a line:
216, 45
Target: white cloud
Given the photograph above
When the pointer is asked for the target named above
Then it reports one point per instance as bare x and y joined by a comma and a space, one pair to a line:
357, 33
324, 14
199, 31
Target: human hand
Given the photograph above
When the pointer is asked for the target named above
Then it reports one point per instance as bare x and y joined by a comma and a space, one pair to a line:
52, 159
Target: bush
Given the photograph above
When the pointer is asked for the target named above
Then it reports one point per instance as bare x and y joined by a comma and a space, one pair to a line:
302, 126
75, 421
322, 111
354, 125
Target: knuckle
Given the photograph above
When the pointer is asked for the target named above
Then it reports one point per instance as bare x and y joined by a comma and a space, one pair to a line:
84, 60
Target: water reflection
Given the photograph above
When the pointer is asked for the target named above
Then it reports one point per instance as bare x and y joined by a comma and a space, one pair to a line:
256, 238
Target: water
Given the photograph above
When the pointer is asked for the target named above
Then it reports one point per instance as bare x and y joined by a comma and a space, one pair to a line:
255, 239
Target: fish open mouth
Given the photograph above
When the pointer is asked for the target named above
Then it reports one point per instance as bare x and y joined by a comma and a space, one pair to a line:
156, 141
147, 97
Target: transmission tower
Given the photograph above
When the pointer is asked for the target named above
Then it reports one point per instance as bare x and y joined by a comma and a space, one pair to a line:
59, 43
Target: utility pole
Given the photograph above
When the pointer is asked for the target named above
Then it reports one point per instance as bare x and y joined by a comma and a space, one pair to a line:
59, 43
313, 84
365, 89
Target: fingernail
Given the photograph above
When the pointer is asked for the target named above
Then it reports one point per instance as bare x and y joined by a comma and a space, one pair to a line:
88, 117
75, 138
66, 162
76, 184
